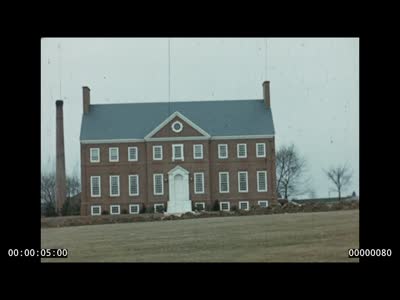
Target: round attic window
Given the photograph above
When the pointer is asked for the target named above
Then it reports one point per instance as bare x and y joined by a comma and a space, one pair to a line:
177, 126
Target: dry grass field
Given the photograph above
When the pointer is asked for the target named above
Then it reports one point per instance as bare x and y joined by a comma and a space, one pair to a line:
300, 237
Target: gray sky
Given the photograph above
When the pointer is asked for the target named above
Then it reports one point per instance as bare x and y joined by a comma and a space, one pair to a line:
314, 87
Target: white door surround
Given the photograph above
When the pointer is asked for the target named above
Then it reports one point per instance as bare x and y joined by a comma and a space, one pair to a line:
178, 180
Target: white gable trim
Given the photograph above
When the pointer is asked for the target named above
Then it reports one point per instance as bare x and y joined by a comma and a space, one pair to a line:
167, 120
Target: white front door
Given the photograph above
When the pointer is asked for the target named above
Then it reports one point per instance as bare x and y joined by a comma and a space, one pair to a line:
179, 191
179, 188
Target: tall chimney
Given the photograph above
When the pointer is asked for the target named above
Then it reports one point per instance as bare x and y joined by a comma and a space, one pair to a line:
60, 158
267, 99
86, 99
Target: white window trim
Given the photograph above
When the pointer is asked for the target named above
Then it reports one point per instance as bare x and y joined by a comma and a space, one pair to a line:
247, 182
245, 150
248, 205
95, 206
138, 185
202, 203
202, 182
129, 154
173, 127
158, 204
219, 151
258, 182
263, 201
91, 157
138, 209
91, 187
109, 154
225, 202
173, 152
119, 189
194, 152
219, 177
154, 184
161, 151
265, 150
119, 209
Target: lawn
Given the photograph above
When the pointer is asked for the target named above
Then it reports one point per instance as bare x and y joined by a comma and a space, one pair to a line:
298, 237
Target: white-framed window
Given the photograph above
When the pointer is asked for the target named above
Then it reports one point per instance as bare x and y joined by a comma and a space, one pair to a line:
113, 153
159, 207
263, 203
158, 184
177, 152
224, 182
132, 153
114, 185
95, 186
133, 185
157, 152
260, 150
115, 209
177, 126
244, 205
222, 151
198, 151
226, 206
94, 155
95, 210
200, 205
198, 183
243, 182
134, 209
262, 181
242, 150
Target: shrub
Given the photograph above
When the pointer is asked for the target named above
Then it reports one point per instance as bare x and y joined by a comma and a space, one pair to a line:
150, 210
143, 209
124, 211
234, 208
105, 212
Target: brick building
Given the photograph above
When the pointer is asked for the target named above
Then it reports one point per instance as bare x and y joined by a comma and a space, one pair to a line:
177, 156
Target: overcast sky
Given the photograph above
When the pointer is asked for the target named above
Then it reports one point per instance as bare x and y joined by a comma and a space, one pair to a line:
314, 88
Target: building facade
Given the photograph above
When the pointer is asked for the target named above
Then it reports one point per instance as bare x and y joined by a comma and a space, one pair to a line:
177, 156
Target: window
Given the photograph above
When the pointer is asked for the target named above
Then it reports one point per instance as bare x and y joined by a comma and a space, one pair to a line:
244, 205
133, 208
132, 153
114, 185
223, 182
114, 209
261, 181
158, 181
157, 153
177, 126
260, 150
113, 154
96, 210
199, 183
225, 206
133, 185
242, 182
200, 206
94, 154
222, 151
177, 152
159, 208
241, 150
263, 203
95, 188
198, 151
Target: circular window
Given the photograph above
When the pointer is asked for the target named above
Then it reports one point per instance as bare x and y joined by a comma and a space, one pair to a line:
177, 126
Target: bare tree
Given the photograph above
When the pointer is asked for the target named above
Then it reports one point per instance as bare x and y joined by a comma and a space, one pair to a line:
341, 177
73, 186
291, 171
48, 193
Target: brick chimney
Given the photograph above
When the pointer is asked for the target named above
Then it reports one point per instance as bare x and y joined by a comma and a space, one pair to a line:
60, 158
267, 99
86, 99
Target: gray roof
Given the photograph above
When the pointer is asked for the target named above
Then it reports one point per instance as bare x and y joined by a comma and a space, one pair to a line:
217, 118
